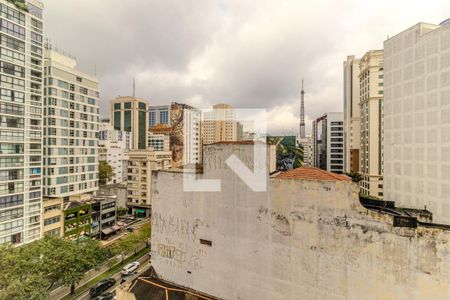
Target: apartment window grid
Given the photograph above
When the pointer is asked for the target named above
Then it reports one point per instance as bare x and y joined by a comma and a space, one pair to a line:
76, 137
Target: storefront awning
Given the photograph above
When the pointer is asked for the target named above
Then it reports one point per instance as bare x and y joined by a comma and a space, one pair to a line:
140, 210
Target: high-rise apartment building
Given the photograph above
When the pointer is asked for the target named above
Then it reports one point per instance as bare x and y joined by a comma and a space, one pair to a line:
130, 114
113, 148
219, 125
351, 115
371, 123
21, 74
328, 142
71, 118
159, 115
141, 163
417, 119
185, 134
306, 145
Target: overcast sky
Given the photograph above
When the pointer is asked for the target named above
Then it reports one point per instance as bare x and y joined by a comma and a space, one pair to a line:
251, 54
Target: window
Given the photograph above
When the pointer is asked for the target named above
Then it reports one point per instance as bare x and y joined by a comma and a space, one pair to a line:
12, 14
37, 38
11, 148
12, 69
127, 120
34, 195
63, 84
12, 96
11, 214
127, 105
12, 43
117, 121
9, 201
142, 105
52, 220
164, 117
11, 82
10, 227
37, 24
34, 10
53, 232
11, 55
12, 29
206, 242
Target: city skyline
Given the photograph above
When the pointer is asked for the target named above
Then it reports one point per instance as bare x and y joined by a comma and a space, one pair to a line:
226, 52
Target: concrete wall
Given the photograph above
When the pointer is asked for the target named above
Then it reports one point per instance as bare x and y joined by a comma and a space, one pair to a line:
299, 240
417, 119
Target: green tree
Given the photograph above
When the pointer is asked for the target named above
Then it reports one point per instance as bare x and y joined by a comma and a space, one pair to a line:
105, 172
30, 271
22, 275
145, 233
122, 211
80, 258
355, 176
123, 247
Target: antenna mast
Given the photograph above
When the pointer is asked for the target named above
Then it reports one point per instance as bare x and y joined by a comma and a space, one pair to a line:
302, 113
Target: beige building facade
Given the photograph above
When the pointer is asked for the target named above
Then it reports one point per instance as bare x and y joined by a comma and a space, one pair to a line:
53, 217
141, 163
371, 123
351, 115
219, 125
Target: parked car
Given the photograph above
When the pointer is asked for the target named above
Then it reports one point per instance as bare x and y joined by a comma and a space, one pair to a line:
106, 296
101, 286
130, 268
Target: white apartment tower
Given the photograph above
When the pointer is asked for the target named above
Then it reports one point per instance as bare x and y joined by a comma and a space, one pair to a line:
371, 103
328, 142
351, 115
113, 148
21, 73
417, 119
71, 119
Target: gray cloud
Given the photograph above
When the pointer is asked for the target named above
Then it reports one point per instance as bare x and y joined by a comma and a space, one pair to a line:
251, 54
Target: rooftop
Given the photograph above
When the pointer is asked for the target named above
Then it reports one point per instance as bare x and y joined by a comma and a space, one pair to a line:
234, 143
148, 286
308, 173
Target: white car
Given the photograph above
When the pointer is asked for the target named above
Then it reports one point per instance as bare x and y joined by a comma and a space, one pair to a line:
130, 268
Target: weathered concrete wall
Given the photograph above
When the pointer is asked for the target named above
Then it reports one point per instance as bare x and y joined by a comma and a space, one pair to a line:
299, 240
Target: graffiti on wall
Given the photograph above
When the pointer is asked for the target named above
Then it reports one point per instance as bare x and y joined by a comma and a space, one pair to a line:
177, 242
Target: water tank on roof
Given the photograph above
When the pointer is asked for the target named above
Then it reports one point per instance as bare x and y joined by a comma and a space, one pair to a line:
446, 22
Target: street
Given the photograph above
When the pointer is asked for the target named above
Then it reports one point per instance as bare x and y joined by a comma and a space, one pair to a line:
144, 261
124, 232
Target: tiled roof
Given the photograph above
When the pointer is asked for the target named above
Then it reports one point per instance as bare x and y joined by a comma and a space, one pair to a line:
307, 173
234, 143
